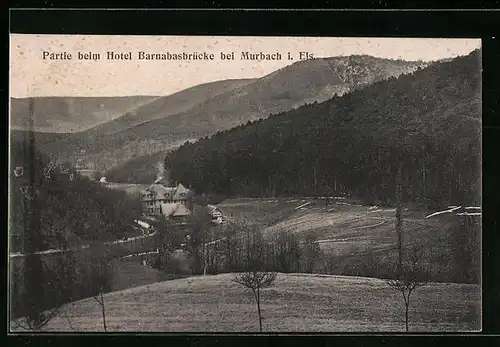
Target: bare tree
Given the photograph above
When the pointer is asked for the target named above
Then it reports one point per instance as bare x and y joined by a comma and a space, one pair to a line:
103, 308
101, 278
399, 218
311, 252
229, 236
256, 280
199, 225
328, 201
408, 274
409, 277
288, 252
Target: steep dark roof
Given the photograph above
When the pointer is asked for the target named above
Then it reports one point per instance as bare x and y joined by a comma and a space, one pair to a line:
159, 191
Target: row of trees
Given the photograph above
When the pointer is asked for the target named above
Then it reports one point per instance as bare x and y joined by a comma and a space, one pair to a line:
452, 253
426, 124
70, 209
234, 247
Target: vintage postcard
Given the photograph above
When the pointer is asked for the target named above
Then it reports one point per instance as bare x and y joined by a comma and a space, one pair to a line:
244, 184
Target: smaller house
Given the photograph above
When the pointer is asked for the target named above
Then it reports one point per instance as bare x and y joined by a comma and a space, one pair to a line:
216, 213
103, 180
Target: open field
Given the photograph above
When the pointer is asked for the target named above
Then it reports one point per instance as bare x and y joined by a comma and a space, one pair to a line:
357, 239
259, 211
297, 302
336, 226
129, 273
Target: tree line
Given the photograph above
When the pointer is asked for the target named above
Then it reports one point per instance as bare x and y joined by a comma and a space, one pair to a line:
52, 207
427, 122
71, 209
233, 247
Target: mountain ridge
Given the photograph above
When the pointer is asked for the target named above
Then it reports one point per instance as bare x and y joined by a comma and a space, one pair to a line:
429, 122
287, 88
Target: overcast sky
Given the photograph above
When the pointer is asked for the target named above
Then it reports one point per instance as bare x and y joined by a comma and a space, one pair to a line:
31, 75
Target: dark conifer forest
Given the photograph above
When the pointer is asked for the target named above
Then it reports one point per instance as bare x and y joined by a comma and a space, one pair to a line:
426, 124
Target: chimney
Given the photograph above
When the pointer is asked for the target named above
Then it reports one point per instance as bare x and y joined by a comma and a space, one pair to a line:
162, 175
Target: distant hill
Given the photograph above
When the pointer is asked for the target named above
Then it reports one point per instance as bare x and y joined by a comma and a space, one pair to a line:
109, 114
429, 123
164, 123
66, 146
168, 105
72, 114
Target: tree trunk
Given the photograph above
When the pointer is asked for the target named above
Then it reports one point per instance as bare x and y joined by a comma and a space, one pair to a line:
103, 312
399, 219
315, 181
258, 309
424, 181
407, 307
230, 255
406, 315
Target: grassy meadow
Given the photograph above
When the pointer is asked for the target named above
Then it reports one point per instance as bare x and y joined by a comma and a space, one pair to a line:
296, 303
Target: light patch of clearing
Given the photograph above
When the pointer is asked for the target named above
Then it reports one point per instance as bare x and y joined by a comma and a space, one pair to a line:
314, 220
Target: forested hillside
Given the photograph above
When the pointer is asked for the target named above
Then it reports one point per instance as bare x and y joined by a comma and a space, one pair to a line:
142, 169
136, 127
427, 124
71, 210
307, 81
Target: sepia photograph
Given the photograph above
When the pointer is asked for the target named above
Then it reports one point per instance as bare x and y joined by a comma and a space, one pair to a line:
244, 184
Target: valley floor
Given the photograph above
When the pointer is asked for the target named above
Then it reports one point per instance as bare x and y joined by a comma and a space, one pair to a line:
296, 303
341, 228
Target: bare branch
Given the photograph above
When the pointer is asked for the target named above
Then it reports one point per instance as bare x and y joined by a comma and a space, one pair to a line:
95, 298
255, 280
47, 317
18, 324
68, 320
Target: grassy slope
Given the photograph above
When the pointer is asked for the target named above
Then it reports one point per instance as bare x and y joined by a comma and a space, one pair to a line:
354, 233
296, 303
129, 273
